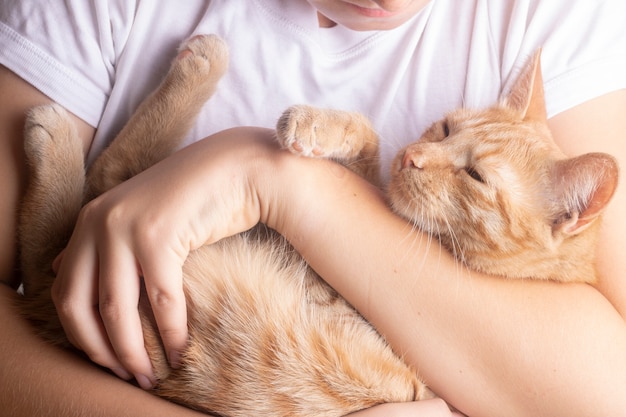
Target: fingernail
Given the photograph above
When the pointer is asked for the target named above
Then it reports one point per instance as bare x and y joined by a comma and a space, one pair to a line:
144, 382
122, 373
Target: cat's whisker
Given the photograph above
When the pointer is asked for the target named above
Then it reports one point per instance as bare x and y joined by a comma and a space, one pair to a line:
418, 217
456, 247
396, 143
261, 320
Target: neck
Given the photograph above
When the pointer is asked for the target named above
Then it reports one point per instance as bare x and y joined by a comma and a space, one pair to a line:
325, 22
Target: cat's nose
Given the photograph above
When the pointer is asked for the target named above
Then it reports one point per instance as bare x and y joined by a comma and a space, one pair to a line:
413, 158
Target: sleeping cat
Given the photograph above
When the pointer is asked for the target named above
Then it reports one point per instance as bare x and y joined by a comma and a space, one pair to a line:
267, 335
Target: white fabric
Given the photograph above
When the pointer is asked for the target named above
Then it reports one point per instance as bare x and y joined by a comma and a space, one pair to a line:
101, 58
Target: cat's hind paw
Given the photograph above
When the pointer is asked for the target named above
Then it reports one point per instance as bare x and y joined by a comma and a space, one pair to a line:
201, 61
49, 133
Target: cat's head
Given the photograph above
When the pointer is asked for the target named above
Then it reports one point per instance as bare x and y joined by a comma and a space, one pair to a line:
494, 188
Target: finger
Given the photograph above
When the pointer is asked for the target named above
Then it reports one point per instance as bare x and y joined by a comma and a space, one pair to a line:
74, 293
106, 358
119, 291
164, 286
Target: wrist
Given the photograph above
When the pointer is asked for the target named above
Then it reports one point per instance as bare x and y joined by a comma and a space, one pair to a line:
286, 187
274, 191
302, 197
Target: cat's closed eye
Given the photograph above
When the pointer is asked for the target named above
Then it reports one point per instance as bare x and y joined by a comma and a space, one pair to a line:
474, 174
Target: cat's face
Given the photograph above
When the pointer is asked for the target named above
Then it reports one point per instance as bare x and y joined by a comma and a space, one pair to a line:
497, 192
478, 180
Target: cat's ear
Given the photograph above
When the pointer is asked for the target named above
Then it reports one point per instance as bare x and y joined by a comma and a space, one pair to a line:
527, 96
584, 185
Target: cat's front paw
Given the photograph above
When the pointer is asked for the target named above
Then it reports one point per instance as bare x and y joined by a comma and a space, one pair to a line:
202, 60
49, 132
324, 133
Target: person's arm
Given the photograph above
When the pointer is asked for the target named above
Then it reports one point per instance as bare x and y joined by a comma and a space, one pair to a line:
37, 379
487, 345
491, 347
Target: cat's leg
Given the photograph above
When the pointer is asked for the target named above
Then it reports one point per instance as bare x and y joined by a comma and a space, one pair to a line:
53, 198
347, 137
162, 120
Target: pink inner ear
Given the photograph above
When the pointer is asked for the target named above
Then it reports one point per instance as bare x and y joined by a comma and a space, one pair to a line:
527, 95
586, 184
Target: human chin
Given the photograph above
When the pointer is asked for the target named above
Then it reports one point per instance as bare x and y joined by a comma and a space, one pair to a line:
361, 18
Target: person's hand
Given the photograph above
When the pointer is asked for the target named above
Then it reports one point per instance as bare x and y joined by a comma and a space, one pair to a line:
427, 408
144, 229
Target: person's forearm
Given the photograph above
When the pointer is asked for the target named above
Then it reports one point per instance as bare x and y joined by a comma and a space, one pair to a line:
489, 346
37, 379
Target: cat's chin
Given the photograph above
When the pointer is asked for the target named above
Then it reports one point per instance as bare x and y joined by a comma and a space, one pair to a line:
406, 198
407, 210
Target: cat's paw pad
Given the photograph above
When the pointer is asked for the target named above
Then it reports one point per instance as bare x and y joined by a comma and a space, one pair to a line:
321, 133
48, 130
204, 56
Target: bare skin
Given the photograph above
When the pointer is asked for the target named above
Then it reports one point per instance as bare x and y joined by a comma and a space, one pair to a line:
455, 339
607, 115
572, 336
54, 382
38, 379
548, 347
366, 14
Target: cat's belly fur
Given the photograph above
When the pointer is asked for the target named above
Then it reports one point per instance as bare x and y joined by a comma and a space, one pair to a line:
268, 337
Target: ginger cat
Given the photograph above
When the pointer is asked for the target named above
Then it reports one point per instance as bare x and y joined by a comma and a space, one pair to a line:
267, 335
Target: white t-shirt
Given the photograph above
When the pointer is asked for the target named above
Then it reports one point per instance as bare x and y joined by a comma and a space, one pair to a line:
101, 58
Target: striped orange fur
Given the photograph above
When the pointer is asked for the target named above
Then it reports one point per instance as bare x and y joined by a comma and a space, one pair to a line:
267, 336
